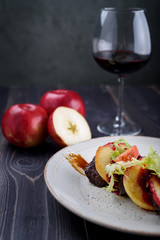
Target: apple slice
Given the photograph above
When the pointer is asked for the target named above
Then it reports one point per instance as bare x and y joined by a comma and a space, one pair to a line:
155, 189
133, 180
66, 126
102, 158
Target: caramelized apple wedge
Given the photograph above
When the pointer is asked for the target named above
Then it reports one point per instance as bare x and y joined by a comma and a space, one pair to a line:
102, 158
135, 184
155, 189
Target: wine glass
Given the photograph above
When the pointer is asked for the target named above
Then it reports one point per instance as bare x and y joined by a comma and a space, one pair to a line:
121, 45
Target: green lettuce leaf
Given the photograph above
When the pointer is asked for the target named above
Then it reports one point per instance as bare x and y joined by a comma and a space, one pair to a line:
152, 162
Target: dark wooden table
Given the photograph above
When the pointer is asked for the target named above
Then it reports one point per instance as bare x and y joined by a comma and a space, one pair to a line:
27, 209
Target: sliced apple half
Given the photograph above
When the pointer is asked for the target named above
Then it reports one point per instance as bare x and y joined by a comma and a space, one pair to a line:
66, 126
133, 188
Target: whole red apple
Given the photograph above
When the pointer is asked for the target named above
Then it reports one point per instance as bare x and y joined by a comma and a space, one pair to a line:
25, 125
62, 97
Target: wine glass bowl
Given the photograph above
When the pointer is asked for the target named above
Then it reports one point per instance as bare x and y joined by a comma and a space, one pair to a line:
121, 45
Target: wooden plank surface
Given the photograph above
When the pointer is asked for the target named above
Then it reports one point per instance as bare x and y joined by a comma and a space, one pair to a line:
27, 209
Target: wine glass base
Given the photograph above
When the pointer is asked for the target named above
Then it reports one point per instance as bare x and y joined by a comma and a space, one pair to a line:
128, 128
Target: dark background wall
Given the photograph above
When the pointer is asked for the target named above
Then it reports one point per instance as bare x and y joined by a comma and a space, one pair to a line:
49, 41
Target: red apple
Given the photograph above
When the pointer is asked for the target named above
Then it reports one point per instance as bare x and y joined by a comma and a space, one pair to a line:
25, 125
66, 126
62, 97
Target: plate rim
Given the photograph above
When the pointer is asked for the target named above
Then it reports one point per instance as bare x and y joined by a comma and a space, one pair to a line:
86, 217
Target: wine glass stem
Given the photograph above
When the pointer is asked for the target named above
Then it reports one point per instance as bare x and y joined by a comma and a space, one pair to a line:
119, 120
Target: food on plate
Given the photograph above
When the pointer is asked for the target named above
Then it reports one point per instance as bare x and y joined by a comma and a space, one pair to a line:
67, 126
62, 97
77, 162
25, 125
122, 170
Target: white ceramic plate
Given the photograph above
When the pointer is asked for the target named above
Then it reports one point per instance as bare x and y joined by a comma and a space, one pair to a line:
74, 191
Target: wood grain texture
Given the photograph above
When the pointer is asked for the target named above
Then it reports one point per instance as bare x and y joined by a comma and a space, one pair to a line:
27, 209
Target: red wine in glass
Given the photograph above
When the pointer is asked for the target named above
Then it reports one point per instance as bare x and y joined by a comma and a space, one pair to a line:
121, 61
121, 45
